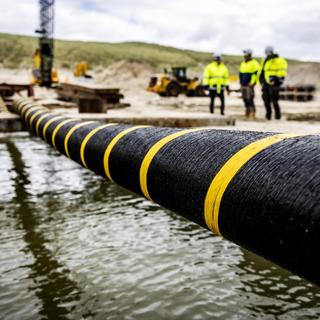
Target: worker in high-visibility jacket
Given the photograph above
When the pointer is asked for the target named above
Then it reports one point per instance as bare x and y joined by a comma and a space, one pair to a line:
216, 79
272, 74
248, 76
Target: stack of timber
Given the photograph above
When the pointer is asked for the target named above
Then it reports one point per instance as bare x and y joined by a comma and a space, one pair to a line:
91, 98
301, 93
7, 90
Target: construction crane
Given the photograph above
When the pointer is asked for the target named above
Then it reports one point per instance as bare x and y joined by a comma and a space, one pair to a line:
45, 52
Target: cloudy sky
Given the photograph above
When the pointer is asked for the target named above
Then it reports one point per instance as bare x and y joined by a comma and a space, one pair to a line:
228, 26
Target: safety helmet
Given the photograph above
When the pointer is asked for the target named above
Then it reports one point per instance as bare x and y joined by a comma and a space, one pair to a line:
268, 50
217, 56
247, 52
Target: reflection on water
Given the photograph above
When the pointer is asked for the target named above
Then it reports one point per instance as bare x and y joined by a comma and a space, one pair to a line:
74, 246
53, 285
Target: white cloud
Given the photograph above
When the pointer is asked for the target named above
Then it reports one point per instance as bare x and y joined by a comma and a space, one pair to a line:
224, 25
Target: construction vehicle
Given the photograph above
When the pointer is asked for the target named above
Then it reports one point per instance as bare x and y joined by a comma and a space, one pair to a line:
81, 70
37, 76
175, 82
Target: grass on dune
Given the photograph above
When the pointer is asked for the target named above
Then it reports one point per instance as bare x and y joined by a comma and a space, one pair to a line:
16, 52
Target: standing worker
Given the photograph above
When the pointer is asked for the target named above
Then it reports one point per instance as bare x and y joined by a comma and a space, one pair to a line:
215, 79
272, 74
248, 75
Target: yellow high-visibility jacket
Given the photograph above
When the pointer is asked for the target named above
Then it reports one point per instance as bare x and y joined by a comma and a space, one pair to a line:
216, 75
248, 72
274, 68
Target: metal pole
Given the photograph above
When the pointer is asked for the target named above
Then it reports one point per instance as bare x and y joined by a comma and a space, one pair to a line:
46, 40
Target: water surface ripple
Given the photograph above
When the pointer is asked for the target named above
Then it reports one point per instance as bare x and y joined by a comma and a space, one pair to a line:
74, 246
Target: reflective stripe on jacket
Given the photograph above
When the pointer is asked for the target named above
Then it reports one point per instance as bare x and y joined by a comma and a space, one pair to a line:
274, 69
216, 75
248, 72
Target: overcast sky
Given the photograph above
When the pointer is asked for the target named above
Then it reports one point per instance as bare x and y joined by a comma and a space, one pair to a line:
228, 26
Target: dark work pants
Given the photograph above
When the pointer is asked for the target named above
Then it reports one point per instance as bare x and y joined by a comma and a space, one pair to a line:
270, 95
248, 98
213, 95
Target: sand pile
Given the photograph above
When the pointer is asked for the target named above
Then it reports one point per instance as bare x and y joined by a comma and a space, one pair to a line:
125, 75
308, 73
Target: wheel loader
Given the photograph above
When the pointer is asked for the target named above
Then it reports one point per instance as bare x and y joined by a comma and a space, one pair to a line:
175, 82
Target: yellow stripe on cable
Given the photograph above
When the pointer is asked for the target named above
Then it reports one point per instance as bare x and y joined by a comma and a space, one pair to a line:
56, 129
19, 104
151, 154
24, 104
48, 124
24, 108
39, 121
34, 115
70, 132
29, 111
87, 138
228, 171
111, 146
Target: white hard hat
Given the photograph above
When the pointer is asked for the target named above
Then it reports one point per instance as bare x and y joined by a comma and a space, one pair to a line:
247, 52
217, 55
268, 50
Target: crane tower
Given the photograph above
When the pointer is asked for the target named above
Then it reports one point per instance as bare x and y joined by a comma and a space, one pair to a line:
46, 41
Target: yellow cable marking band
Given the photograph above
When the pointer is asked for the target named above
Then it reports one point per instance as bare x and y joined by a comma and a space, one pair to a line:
34, 115
24, 104
40, 120
228, 171
29, 111
151, 154
48, 124
56, 129
18, 104
87, 138
70, 132
111, 145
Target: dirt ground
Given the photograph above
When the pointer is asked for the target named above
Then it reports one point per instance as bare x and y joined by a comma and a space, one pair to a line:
132, 78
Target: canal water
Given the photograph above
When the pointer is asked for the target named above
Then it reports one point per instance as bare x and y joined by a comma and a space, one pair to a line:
74, 246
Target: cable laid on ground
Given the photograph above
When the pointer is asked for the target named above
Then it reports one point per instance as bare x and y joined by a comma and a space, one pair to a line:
259, 190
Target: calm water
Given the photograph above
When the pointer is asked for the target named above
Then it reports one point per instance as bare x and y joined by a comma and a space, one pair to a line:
74, 246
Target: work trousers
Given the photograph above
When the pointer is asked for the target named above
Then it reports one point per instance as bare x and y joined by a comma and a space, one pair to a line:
247, 93
270, 95
213, 95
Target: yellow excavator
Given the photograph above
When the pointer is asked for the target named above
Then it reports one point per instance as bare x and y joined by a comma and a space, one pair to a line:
175, 82
36, 70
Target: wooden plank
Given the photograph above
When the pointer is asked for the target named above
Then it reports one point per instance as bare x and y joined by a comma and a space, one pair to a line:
76, 92
8, 89
92, 106
91, 88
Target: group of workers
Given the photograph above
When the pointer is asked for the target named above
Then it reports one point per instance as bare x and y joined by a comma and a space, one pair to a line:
270, 73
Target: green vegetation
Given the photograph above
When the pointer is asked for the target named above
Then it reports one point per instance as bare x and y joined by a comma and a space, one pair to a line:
16, 52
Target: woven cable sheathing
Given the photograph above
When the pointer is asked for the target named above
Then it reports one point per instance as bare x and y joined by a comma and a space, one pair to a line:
270, 205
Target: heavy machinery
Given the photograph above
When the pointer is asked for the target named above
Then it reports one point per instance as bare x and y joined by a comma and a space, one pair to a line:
175, 82
81, 70
43, 73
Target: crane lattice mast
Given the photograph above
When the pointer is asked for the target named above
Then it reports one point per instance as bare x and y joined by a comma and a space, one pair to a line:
46, 40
